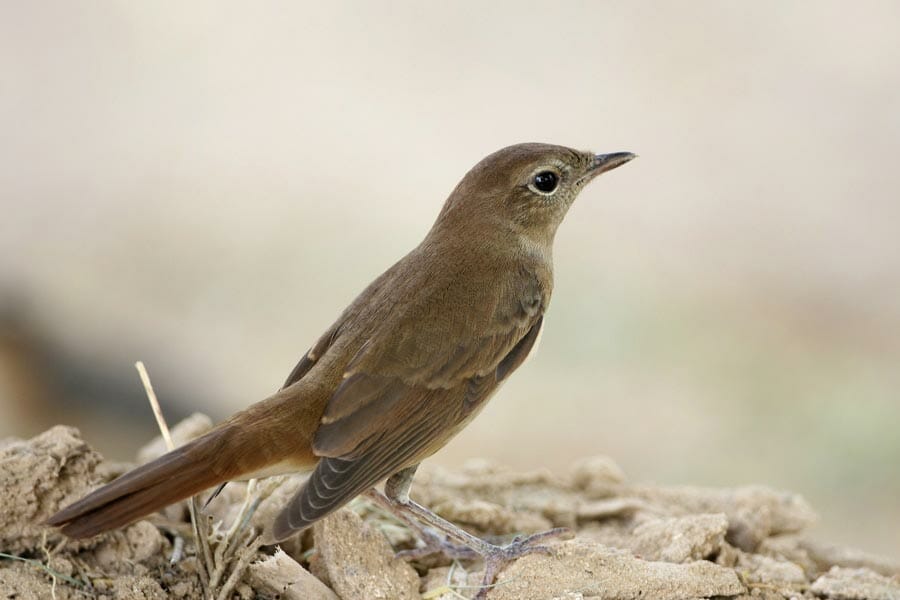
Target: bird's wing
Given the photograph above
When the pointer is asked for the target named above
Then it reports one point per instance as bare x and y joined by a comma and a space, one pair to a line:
420, 351
387, 414
313, 354
400, 428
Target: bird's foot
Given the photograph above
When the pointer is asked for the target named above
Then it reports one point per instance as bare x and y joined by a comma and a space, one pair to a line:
499, 556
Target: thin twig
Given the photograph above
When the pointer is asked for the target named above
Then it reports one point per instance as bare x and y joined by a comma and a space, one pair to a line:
244, 557
47, 558
199, 540
220, 562
264, 491
154, 404
239, 520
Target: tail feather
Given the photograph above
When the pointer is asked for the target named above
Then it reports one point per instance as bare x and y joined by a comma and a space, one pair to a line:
175, 476
268, 438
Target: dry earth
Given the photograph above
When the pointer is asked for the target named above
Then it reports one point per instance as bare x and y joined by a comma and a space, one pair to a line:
630, 541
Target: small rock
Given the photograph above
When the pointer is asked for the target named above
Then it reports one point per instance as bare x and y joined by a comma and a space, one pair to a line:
596, 476
826, 556
785, 577
121, 551
144, 540
360, 563
855, 584
680, 539
789, 547
613, 508
38, 477
284, 578
754, 512
589, 569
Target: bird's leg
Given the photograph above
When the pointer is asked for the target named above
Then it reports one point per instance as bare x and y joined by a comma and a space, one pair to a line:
396, 492
433, 542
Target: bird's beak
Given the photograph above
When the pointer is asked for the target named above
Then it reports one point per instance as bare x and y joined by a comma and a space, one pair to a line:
607, 162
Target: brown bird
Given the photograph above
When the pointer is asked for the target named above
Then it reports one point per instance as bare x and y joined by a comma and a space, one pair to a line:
405, 367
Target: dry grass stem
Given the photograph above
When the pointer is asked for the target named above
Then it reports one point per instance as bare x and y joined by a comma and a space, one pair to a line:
244, 556
245, 508
201, 541
154, 404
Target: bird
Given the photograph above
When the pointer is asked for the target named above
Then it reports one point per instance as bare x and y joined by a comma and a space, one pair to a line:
406, 366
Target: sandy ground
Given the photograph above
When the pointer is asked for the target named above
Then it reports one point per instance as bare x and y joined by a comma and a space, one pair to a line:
628, 540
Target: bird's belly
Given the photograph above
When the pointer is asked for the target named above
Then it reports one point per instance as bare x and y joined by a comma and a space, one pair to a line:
448, 433
473, 408
285, 467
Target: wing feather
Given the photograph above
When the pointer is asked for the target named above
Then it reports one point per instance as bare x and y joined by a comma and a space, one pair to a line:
338, 480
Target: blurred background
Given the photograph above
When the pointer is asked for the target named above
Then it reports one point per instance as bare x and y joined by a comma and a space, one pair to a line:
204, 186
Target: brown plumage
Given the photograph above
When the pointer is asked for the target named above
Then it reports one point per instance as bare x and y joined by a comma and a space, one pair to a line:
403, 369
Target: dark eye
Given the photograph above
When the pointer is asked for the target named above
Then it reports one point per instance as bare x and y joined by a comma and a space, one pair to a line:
546, 181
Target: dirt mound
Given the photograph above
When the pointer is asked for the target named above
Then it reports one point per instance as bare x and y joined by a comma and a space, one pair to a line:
630, 541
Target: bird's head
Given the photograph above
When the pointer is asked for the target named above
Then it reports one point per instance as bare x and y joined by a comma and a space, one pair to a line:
524, 189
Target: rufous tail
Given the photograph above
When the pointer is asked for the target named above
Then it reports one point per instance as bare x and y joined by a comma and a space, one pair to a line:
266, 439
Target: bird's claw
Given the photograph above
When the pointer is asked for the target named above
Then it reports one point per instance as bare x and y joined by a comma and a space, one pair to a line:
520, 546
495, 557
